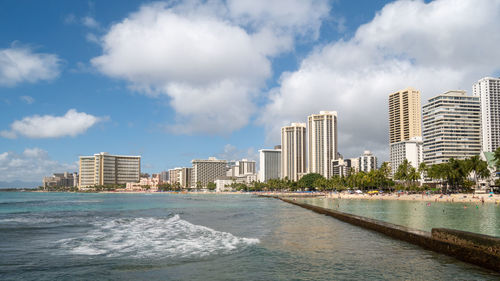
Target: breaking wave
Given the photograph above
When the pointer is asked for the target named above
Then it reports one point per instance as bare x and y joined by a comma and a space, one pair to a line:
155, 237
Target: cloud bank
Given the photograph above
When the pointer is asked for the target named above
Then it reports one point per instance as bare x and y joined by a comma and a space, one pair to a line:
433, 47
211, 59
14, 166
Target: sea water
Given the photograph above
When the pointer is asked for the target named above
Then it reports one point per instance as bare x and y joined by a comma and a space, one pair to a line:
422, 215
76, 236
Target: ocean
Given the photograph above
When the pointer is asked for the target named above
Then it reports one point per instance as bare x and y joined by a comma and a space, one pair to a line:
81, 236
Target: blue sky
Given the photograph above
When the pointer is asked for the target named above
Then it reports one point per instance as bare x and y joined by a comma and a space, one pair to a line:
177, 80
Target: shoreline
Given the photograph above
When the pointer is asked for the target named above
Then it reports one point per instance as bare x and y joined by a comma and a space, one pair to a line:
452, 198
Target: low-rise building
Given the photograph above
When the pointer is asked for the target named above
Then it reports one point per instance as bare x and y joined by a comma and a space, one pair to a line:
411, 150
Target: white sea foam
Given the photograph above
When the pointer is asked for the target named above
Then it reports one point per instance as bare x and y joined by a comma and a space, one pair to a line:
155, 237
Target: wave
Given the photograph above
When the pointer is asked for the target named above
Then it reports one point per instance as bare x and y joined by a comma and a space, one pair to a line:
25, 202
154, 237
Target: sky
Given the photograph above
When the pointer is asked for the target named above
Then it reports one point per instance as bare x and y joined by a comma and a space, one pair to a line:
174, 81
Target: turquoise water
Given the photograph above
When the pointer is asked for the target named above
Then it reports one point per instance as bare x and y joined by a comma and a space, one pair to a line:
479, 218
67, 236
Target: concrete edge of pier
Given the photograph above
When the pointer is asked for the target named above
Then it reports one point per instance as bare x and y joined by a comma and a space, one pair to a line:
478, 249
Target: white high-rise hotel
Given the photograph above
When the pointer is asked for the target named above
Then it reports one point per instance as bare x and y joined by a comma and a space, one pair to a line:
293, 151
488, 91
452, 127
322, 137
270, 164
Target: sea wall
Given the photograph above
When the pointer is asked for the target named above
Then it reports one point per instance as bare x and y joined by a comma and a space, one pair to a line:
482, 250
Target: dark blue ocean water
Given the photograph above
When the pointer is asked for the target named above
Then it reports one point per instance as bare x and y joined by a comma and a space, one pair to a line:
68, 236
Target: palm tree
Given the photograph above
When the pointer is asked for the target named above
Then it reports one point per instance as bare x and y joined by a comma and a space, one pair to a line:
473, 165
403, 172
422, 170
497, 158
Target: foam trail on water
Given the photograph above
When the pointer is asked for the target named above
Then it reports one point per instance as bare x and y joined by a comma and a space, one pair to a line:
155, 237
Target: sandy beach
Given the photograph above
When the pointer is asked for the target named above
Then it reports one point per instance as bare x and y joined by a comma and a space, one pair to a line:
458, 198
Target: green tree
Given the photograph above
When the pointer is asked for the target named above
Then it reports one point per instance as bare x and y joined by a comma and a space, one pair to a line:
321, 184
211, 186
478, 167
403, 172
422, 170
307, 181
496, 155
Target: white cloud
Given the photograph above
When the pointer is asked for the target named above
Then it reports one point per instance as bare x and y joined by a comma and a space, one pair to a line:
209, 64
30, 165
70, 19
21, 64
91, 37
47, 126
27, 99
231, 152
433, 47
90, 22
294, 16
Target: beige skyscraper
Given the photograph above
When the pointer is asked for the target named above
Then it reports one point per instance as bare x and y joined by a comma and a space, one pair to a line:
404, 115
293, 151
322, 137
104, 169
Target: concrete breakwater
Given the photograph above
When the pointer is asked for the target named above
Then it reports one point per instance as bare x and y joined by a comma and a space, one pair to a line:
482, 250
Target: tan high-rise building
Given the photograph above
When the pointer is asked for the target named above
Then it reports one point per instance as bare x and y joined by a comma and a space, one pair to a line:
106, 169
181, 176
322, 141
293, 151
404, 115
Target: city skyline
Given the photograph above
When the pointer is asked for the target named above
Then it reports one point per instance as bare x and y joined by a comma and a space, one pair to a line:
67, 90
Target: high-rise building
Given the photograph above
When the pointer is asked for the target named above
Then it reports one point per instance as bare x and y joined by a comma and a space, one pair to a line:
354, 165
205, 171
293, 151
322, 142
452, 127
241, 168
341, 167
404, 115
182, 176
488, 91
270, 164
410, 150
367, 162
61, 180
104, 169
164, 176
246, 167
